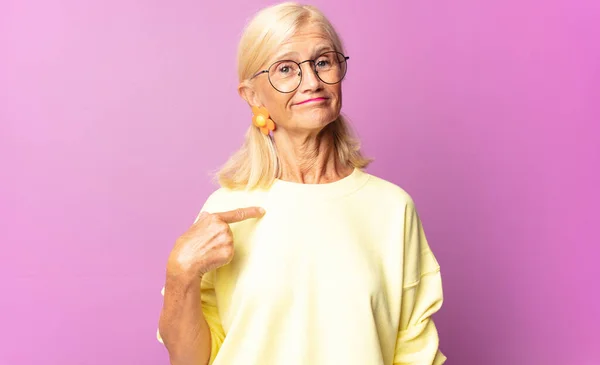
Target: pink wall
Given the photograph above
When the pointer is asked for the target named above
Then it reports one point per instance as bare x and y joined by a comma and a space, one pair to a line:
112, 112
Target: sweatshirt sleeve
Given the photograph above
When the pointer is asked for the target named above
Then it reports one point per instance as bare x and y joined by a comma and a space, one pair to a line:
417, 342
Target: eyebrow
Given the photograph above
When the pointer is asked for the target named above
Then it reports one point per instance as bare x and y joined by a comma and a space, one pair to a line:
320, 49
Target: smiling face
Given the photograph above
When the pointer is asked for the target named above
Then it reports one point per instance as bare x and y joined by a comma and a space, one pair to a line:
313, 104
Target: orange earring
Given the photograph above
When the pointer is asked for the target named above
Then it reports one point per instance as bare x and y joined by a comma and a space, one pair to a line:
261, 120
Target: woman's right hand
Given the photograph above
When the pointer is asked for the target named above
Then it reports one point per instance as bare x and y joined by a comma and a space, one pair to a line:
208, 243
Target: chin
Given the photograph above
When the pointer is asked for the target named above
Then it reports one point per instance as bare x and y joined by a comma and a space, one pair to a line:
320, 117
315, 124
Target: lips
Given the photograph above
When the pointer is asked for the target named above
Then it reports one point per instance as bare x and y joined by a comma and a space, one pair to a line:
312, 100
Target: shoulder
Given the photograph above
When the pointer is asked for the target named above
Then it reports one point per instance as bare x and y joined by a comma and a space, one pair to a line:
388, 193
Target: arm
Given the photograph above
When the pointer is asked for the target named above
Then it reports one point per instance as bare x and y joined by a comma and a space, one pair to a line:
182, 326
418, 342
189, 324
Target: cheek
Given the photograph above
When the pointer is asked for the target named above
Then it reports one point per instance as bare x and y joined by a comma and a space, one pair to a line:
339, 101
277, 104
336, 93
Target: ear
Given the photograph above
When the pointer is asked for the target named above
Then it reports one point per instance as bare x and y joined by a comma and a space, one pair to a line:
248, 93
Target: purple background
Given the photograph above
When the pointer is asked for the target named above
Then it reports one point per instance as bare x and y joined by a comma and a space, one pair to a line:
112, 113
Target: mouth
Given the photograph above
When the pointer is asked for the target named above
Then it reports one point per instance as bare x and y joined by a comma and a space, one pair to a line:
313, 100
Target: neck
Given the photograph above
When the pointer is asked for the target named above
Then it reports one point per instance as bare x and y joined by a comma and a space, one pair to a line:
309, 159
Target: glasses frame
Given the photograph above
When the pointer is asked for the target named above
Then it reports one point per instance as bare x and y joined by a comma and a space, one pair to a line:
314, 68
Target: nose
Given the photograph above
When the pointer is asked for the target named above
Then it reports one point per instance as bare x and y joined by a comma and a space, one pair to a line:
310, 80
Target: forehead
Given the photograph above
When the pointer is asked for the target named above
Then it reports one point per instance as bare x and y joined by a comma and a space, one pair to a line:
306, 42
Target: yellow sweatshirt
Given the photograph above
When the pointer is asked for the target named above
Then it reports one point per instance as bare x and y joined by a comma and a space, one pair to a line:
333, 274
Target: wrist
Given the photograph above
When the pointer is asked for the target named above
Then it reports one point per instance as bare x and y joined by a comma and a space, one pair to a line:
181, 273
181, 284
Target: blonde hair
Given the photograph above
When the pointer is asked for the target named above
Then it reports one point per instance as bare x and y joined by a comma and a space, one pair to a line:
255, 164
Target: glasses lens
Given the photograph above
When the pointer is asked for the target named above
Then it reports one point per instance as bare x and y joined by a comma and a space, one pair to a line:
285, 76
331, 67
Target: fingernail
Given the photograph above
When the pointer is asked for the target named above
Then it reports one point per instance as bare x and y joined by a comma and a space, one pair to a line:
261, 210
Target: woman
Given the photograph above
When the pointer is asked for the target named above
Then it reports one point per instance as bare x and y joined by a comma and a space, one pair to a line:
300, 257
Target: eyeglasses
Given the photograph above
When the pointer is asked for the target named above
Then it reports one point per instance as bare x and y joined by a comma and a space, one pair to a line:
285, 76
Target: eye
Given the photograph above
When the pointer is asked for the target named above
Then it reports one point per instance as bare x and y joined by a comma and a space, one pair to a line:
284, 69
324, 62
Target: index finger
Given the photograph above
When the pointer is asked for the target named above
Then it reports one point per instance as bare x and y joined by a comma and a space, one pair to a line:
241, 214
